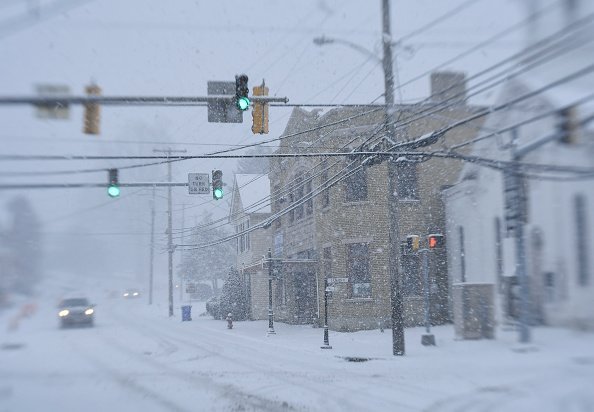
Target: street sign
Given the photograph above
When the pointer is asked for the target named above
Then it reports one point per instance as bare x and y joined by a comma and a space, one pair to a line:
52, 111
338, 280
223, 111
198, 184
330, 289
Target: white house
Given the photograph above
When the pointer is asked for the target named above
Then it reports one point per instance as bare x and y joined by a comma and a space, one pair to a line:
250, 205
558, 181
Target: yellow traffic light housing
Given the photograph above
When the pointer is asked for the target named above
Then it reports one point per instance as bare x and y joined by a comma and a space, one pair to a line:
92, 111
260, 111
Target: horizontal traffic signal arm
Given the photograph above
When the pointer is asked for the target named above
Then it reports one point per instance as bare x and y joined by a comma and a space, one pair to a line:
132, 100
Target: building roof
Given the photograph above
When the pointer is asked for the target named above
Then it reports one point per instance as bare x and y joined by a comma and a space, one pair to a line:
254, 192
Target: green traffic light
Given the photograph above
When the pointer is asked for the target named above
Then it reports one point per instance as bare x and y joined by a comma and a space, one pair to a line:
113, 191
218, 193
243, 103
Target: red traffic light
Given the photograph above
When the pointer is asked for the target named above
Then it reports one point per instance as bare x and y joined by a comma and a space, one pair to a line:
435, 241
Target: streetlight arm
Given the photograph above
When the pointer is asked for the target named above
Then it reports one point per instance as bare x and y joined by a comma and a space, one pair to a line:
322, 40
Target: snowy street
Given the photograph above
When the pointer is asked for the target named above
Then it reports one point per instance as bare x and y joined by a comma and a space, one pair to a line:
136, 359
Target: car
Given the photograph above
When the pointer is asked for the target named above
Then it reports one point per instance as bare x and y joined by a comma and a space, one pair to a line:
76, 312
131, 293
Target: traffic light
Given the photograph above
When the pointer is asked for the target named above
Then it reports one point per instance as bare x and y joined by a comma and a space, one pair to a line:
260, 111
242, 90
217, 184
113, 190
435, 241
92, 111
412, 242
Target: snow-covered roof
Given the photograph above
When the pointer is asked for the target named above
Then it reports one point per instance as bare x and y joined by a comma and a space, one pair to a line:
254, 192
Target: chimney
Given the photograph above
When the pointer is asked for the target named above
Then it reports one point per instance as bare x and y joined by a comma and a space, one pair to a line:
448, 86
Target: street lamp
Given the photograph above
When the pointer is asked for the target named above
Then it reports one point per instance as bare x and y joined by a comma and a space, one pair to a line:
322, 40
326, 337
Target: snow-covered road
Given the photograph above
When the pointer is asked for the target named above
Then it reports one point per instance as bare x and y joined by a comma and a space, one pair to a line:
138, 359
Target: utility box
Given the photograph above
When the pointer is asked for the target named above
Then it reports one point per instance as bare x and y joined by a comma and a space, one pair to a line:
474, 310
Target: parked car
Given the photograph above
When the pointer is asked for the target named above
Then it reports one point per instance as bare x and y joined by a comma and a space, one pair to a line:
76, 312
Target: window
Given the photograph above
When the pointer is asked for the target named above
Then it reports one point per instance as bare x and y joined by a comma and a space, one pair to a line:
282, 292
292, 211
358, 270
406, 181
278, 200
309, 202
247, 237
299, 197
581, 240
356, 184
326, 192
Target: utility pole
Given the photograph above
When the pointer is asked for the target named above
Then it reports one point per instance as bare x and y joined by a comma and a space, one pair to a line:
151, 270
520, 219
394, 238
170, 246
181, 256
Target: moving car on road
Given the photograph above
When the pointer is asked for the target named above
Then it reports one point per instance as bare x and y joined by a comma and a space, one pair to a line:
131, 293
76, 311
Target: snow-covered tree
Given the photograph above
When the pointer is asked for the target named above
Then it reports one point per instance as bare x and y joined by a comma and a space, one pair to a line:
22, 246
210, 263
234, 298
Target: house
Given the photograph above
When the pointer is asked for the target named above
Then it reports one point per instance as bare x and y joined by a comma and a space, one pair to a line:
250, 205
334, 216
550, 129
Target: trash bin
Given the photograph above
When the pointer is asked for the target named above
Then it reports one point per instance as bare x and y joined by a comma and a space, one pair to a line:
186, 312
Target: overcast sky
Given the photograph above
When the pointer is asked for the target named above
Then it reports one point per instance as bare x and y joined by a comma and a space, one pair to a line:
149, 47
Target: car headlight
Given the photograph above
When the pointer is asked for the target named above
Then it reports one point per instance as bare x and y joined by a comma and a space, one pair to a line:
89, 311
63, 313
135, 293
126, 294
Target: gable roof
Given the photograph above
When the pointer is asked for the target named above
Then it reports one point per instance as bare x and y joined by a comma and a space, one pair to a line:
253, 191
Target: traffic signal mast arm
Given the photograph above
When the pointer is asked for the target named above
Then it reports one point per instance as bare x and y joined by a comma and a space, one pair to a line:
132, 100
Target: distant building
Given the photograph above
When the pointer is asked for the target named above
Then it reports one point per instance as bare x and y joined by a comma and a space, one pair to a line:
250, 205
343, 231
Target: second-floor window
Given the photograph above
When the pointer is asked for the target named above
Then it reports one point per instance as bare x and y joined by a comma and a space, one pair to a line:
325, 191
406, 181
356, 184
299, 197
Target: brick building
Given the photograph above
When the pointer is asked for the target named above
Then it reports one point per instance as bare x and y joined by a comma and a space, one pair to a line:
343, 231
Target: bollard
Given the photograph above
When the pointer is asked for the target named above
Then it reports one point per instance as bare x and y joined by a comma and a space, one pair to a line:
229, 321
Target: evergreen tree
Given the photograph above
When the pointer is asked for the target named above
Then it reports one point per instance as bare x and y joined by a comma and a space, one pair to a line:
210, 263
234, 298
23, 243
